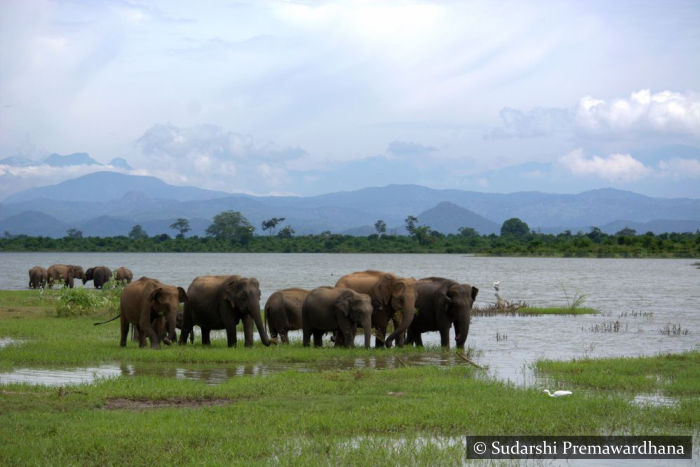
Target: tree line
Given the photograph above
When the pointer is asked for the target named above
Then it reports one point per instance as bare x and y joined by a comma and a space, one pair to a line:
230, 231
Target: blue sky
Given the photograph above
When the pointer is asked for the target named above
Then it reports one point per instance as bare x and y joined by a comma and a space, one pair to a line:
297, 97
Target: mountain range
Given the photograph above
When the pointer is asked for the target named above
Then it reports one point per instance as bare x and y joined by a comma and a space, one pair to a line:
111, 203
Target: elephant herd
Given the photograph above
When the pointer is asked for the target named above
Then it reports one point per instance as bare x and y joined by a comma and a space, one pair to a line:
65, 274
367, 299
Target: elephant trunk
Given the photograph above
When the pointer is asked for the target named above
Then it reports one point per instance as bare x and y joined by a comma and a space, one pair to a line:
461, 330
367, 326
261, 328
406, 319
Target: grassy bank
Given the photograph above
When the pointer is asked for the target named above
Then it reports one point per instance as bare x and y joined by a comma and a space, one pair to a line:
328, 414
533, 311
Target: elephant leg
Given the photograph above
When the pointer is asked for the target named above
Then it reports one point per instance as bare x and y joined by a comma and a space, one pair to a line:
349, 337
248, 330
419, 339
206, 338
124, 332
306, 337
445, 337
284, 337
318, 338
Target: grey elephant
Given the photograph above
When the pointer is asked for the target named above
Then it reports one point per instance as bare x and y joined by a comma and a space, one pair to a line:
337, 310
38, 277
124, 275
220, 302
65, 273
283, 312
442, 303
151, 307
393, 298
99, 275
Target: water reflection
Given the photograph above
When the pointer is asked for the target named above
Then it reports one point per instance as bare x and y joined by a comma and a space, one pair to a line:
56, 377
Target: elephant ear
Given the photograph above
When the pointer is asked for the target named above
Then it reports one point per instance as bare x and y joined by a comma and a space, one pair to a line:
181, 295
398, 288
89, 273
153, 297
342, 303
475, 291
254, 282
383, 289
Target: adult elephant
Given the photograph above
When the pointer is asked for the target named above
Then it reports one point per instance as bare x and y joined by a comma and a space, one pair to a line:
283, 312
151, 307
220, 302
65, 273
442, 303
99, 275
123, 274
338, 310
37, 277
393, 298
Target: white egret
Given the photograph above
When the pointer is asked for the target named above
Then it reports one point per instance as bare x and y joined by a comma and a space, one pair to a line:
559, 393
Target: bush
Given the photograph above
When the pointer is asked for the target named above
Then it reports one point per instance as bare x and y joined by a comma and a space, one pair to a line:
81, 301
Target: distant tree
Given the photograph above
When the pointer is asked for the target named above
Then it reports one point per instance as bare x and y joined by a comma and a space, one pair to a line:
137, 232
468, 232
286, 232
422, 234
596, 235
182, 225
271, 224
74, 233
231, 226
627, 232
411, 223
380, 227
162, 237
514, 227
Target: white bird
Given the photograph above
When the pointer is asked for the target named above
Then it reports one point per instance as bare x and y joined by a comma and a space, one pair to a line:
496, 284
559, 393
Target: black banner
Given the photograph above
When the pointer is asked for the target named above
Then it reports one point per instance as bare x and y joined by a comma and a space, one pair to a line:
579, 447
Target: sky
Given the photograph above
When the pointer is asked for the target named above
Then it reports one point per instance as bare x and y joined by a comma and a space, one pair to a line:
310, 97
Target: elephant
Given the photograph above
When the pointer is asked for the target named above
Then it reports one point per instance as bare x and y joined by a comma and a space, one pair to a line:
151, 307
392, 298
99, 275
65, 273
338, 310
37, 277
123, 274
220, 302
442, 303
283, 312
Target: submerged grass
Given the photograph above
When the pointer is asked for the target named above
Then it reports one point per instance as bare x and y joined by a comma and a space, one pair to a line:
409, 415
532, 311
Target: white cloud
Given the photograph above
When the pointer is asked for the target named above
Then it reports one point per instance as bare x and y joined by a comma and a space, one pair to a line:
642, 111
613, 168
677, 167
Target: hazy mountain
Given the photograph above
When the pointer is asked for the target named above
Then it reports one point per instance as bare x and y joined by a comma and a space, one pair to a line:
447, 218
657, 226
77, 158
108, 203
108, 186
120, 163
17, 162
35, 224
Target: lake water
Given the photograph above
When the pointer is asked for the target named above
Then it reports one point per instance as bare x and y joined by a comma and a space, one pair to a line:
637, 298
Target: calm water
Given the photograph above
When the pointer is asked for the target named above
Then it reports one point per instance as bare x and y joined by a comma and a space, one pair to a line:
644, 295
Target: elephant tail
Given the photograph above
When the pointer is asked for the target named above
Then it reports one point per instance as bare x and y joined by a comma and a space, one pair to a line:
111, 319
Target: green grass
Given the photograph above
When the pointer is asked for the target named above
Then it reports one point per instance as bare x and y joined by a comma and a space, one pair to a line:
533, 311
672, 375
410, 415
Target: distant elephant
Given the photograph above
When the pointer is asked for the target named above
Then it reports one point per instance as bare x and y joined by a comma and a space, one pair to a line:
123, 274
442, 303
392, 298
337, 310
99, 275
283, 312
151, 307
37, 277
65, 273
220, 302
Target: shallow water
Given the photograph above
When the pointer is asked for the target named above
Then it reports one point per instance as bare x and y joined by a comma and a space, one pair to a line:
645, 295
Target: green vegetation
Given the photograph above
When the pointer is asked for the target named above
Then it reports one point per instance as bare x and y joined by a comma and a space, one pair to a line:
533, 311
674, 245
324, 415
672, 375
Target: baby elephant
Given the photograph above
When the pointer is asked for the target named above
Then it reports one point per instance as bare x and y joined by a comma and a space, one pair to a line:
337, 310
283, 312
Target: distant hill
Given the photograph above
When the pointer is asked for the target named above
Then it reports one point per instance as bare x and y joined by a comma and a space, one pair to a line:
656, 227
447, 218
106, 203
34, 223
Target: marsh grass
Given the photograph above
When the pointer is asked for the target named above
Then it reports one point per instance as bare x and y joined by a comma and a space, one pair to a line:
531, 311
406, 415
